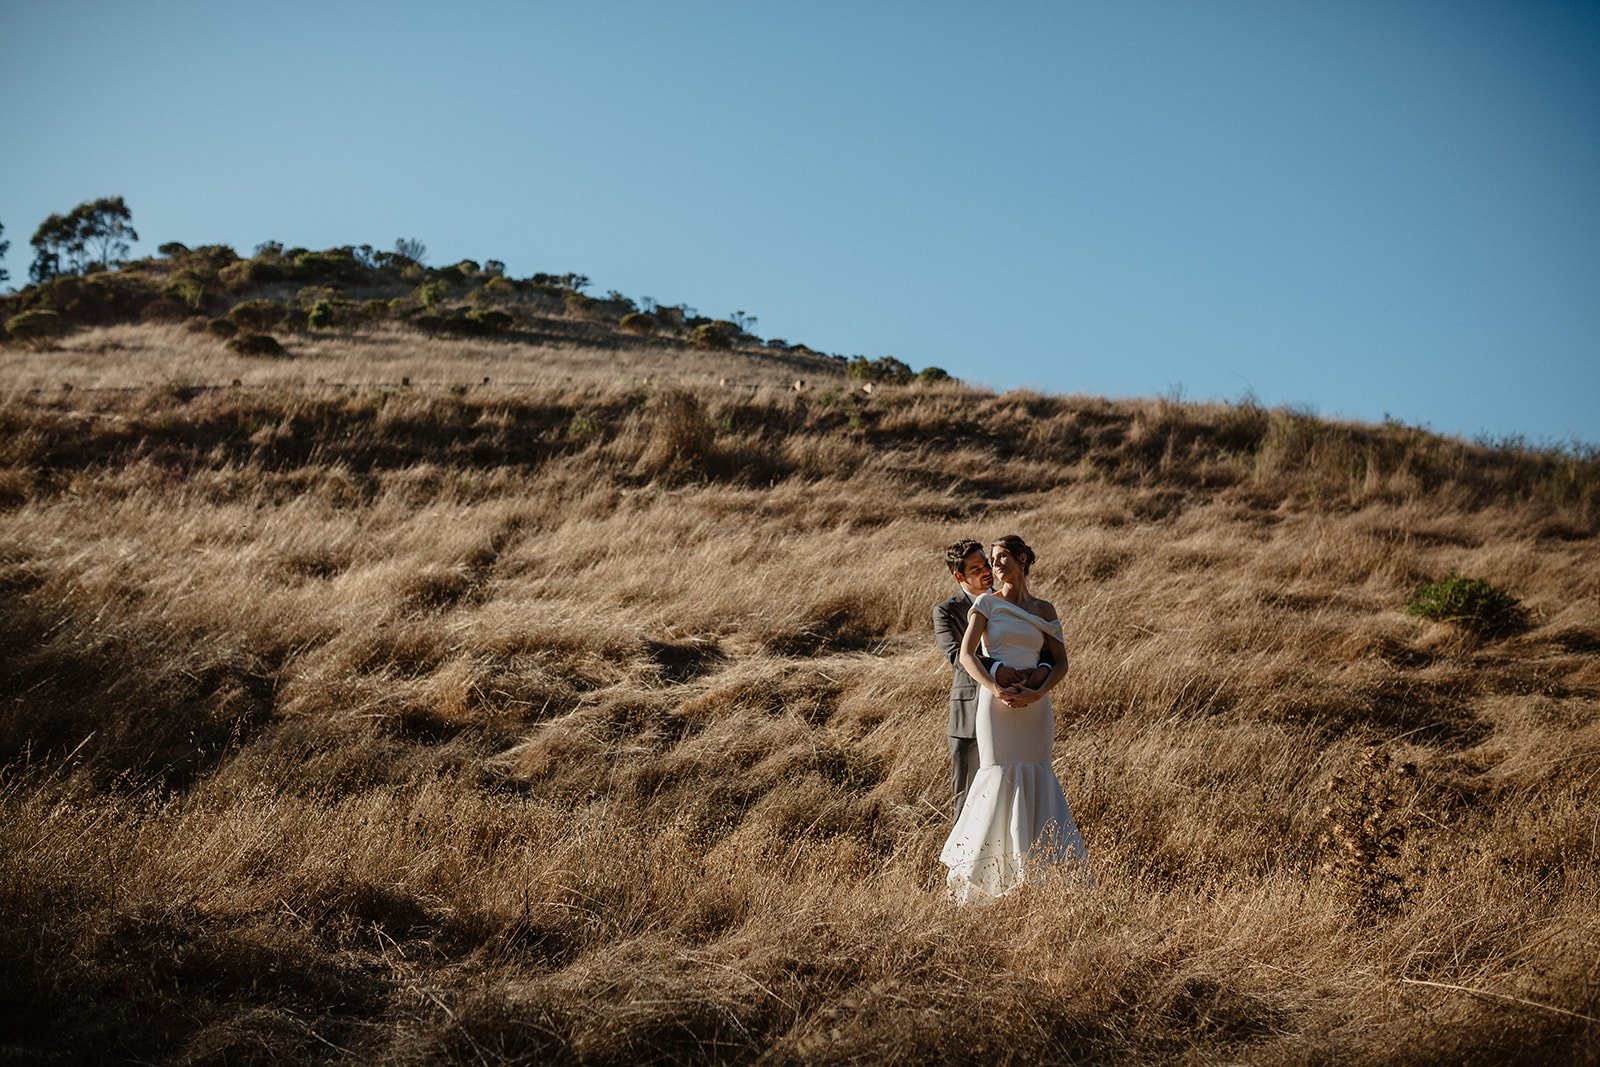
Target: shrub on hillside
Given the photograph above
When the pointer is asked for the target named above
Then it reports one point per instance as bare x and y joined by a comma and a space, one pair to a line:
496, 290
883, 369
492, 319
307, 297
483, 322
36, 328
320, 315
933, 375
333, 266
431, 294
1471, 603
240, 276
210, 258
101, 298
223, 328
1365, 832
681, 434
258, 316
197, 281
638, 322
719, 334
255, 344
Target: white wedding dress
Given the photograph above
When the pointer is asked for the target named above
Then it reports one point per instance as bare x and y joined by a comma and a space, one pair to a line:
1015, 820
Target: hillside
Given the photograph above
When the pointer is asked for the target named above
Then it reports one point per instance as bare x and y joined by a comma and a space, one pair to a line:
589, 713
285, 305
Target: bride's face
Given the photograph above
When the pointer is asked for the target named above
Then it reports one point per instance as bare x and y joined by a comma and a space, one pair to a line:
1007, 568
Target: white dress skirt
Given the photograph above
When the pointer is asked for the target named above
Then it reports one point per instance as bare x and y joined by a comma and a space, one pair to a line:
1015, 821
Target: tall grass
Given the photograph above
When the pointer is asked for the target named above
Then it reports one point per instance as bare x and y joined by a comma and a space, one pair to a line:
598, 721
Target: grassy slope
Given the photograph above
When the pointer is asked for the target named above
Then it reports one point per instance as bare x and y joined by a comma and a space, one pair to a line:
598, 720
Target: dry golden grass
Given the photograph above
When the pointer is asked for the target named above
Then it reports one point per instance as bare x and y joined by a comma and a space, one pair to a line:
598, 721
136, 356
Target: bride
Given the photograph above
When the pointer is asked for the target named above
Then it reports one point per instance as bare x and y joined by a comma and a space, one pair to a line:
1015, 817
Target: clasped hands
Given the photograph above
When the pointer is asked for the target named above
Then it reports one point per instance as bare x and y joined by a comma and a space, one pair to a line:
1018, 689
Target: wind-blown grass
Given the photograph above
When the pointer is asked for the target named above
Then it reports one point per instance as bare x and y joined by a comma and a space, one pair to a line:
593, 721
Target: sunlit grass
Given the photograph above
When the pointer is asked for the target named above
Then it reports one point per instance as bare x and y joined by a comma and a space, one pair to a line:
595, 721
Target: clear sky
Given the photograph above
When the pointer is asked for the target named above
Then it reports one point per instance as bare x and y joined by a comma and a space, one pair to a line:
1370, 208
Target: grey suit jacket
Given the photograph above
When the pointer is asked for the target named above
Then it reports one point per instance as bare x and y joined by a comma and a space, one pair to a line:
949, 624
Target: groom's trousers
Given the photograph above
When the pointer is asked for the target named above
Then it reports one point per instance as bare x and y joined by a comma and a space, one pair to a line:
963, 766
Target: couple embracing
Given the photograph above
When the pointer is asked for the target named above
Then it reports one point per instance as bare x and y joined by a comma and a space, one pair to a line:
1006, 648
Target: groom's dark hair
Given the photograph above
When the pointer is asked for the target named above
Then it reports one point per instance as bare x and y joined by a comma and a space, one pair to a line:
955, 557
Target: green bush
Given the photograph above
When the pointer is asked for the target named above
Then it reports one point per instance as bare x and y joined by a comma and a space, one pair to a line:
431, 294
931, 375
332, 266
718, 334
237, 277
223, 328
255, 344
1471, 603
36, 328
210, 258
495, 291
320, 315
93, 300
638, 322
883, 369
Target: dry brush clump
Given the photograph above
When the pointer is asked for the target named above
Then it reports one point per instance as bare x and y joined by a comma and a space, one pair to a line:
1366, 834
599, 721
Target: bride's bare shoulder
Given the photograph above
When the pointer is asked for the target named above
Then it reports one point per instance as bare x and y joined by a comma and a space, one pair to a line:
1043, 608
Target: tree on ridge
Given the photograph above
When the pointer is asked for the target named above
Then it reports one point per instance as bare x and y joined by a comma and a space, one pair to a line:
96, 231
410, 248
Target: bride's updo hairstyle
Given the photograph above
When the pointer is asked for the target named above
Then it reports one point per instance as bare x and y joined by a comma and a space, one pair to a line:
1019, 550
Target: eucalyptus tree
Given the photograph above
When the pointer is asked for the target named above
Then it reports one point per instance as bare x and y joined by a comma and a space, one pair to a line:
96, 231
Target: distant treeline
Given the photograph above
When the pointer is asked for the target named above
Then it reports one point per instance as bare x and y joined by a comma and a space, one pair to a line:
81, 276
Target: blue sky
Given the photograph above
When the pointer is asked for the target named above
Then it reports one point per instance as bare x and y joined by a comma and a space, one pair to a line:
1362, 208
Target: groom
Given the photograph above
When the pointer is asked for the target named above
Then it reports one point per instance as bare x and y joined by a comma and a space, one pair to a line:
970, 568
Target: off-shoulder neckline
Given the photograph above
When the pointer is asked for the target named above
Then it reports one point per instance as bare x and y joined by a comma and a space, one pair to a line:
991, 595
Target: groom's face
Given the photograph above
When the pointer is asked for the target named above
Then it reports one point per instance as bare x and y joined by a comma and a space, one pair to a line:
975, 575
